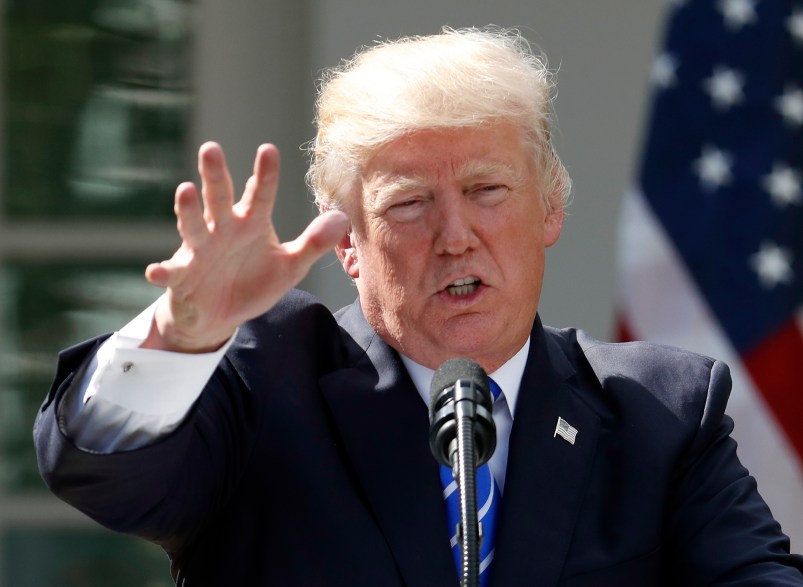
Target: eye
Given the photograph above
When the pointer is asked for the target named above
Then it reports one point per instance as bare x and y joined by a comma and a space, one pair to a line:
405, 210
406, 204
490, 194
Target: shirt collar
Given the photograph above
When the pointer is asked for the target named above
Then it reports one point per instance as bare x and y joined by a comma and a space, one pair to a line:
508, 376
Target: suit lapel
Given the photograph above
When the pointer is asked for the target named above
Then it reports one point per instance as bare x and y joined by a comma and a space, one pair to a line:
546, 475
385, 428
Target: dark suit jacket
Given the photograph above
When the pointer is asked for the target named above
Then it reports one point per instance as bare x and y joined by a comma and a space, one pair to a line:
306, 462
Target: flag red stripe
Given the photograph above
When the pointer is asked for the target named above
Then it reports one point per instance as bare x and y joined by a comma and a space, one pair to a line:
776, 367
623, 332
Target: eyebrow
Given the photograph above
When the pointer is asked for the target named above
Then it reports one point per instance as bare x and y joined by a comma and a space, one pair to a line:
477, 169
470, 169
395, 185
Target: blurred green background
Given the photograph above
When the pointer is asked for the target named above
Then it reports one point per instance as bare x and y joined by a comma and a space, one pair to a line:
95, 116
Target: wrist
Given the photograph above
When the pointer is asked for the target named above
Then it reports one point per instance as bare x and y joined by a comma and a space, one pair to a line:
166, 335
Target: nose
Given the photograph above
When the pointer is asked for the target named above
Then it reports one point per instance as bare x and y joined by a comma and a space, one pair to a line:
455, 232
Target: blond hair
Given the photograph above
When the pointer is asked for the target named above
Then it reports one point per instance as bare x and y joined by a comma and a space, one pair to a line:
458, 78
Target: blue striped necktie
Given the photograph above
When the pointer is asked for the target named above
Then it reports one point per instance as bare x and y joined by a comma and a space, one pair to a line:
488, 498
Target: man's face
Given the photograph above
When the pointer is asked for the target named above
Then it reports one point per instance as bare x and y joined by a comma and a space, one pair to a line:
447, 244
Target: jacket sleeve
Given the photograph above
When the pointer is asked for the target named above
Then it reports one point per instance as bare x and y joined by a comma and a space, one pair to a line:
720, 531
155, 491
170, 490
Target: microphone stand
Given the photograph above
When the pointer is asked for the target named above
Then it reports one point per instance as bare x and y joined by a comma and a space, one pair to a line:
464, 467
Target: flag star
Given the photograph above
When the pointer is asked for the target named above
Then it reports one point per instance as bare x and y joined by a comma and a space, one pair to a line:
725, 87
664, 70
738, 13
714, 168
790, 105
795, 25
783, 185
773, 265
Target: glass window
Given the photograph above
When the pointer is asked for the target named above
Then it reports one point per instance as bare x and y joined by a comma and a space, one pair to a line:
96, 104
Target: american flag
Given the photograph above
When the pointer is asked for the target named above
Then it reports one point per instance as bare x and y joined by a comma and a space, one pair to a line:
566, 431
711, 236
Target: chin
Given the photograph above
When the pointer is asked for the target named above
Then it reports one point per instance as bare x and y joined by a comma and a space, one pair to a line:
466, 346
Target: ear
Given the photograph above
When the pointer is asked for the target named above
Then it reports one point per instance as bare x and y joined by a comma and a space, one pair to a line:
347, 253
553, 224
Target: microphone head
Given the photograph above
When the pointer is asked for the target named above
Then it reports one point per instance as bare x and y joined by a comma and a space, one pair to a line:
460, 368
475, 388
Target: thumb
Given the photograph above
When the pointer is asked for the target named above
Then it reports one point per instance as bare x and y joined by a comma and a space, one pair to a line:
320, 237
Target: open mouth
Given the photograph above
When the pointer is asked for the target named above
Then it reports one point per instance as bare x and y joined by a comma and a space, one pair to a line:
463, 287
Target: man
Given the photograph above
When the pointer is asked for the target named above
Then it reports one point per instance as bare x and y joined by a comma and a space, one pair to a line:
297, 453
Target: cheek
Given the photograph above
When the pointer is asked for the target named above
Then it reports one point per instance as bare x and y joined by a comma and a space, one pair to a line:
520, 248
379, 262
398, 248
521, 230
396, 276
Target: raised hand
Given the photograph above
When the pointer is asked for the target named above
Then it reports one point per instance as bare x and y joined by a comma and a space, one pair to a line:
230, 266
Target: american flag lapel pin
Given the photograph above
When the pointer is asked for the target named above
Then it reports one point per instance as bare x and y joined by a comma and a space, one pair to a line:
566, 431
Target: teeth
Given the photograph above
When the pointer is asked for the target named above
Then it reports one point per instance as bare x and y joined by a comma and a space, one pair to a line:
463, 287
465, 281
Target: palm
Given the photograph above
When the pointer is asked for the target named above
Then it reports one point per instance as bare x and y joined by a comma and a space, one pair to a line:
231, 266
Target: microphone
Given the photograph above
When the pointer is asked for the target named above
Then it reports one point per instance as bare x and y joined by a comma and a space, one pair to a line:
462, 435
460, 384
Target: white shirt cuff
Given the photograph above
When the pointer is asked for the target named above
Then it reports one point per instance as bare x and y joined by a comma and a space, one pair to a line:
128, 396
149, 381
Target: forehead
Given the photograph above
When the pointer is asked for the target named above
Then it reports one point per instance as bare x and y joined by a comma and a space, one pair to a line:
460, 152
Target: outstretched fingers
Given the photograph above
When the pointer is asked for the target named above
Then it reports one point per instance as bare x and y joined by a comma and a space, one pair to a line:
260, 191
216, 185
320, 237
162, 274
230, 265
189, 215
193, 231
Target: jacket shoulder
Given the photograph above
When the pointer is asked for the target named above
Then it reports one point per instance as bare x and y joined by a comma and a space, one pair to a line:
639, 372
